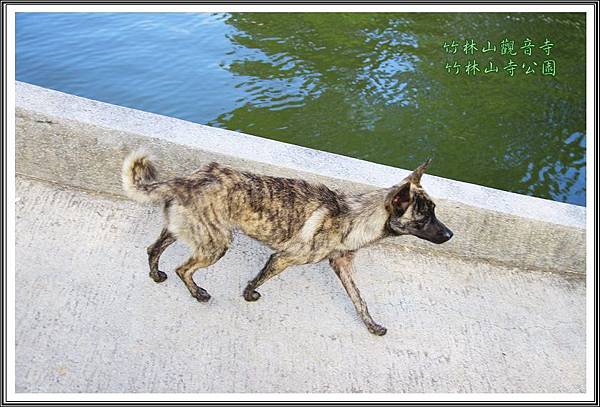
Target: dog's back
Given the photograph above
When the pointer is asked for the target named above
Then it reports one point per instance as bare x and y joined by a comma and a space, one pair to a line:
215, 199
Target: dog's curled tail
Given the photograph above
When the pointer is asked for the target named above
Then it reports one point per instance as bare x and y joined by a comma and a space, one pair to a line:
139, 178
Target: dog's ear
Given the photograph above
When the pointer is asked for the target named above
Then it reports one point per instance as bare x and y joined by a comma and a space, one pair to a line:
415, 176
399, 198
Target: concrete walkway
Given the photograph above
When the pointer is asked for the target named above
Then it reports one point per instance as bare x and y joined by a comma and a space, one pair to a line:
89, 319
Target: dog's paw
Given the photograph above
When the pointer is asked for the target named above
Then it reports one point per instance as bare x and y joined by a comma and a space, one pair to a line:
159, 276
201, 296
377, 329
251, 295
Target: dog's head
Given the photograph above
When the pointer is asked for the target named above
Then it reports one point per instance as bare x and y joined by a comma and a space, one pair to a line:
412, 212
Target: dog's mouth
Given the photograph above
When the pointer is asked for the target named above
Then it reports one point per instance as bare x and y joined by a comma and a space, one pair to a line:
438, 238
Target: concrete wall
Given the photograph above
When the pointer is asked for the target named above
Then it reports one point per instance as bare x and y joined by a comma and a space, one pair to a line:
80, 142
501, 307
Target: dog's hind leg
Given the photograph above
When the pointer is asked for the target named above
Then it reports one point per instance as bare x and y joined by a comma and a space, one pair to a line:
187, 270
155, 250
342, 265
275, 265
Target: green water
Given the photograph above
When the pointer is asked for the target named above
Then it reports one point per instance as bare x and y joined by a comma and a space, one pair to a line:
371, 86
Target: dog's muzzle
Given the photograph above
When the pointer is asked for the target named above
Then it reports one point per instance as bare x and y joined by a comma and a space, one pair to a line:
436, 232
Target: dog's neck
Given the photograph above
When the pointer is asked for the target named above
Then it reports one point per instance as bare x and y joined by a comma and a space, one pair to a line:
365, 222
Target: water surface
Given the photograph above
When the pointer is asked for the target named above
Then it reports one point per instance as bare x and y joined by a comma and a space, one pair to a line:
371, 86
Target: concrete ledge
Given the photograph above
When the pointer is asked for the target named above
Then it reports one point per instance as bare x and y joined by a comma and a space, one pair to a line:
81, 143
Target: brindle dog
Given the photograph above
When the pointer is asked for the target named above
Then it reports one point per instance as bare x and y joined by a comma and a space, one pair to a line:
302, 222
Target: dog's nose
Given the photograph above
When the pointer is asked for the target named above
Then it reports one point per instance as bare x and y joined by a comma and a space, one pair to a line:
448, 234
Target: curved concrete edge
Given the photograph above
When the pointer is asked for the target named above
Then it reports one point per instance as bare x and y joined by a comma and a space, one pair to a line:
80, 142
293, 157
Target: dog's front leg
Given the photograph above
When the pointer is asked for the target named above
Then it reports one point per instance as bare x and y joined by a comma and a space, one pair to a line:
276, 264
342, 265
